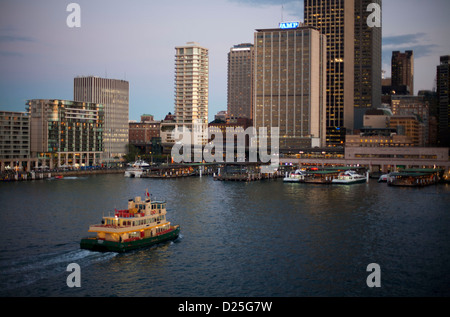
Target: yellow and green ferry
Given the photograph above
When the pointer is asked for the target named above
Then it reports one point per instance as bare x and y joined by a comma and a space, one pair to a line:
143, 224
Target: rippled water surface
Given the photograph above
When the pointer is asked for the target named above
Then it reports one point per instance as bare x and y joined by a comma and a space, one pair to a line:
263, 238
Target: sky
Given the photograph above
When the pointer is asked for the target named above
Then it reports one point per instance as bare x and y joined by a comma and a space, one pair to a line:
135, 40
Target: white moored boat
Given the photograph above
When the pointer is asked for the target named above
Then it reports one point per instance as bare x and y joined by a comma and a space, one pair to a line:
349, 177
294, 177
137, 169
384, 178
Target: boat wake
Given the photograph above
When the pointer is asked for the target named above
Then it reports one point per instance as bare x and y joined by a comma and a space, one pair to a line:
24, 271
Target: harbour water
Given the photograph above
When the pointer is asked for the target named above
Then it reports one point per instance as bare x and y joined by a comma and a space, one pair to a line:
258, 239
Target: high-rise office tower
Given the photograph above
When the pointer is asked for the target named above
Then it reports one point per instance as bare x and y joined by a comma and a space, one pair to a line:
367, 62
335, 19
113, 94
403, 73
240, 80
443, 91
290, 84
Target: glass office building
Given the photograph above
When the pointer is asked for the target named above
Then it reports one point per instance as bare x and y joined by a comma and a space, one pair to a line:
336, 20
240, 81
66, 132
367, 62
113, 94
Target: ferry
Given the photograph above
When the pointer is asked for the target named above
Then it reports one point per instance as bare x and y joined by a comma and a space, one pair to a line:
143, 224
349, 177
295, 177
414, 178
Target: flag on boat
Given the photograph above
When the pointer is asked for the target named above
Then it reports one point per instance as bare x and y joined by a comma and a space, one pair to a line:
147, 194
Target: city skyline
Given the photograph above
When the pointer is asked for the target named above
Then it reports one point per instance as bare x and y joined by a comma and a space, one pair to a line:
40, 55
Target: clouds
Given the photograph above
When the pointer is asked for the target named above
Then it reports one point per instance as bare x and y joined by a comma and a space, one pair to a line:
14, 38
266, 2
12, 46
416, 42
290, 8
135, 40
425, 52
403, 39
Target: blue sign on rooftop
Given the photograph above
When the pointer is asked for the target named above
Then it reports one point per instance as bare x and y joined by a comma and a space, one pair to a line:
289, 25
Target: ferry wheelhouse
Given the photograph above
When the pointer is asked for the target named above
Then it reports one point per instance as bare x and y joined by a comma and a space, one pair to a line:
141, 225
320, 176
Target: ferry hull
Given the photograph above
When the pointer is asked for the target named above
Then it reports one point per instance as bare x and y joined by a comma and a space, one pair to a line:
293, 180
95, 244
349, 182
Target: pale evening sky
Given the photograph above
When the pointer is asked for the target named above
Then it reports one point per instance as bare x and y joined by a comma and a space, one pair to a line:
135, 40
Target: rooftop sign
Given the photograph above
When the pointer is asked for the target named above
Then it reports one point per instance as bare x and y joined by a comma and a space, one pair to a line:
289, 25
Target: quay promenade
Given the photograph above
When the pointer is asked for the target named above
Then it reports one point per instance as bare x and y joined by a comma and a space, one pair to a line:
10, 175
378, 160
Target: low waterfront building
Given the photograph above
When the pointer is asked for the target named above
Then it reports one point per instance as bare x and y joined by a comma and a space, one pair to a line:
377, 159
377, 118
229, 129
167, 128
145, 134
15, 141
417, 106
66, 132
378, 138
393, 158
408, 125
221, 115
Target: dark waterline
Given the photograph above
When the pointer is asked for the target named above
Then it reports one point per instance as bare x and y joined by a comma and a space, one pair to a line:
264, 238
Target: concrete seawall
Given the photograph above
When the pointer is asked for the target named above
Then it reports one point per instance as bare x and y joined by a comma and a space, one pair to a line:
22, 176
